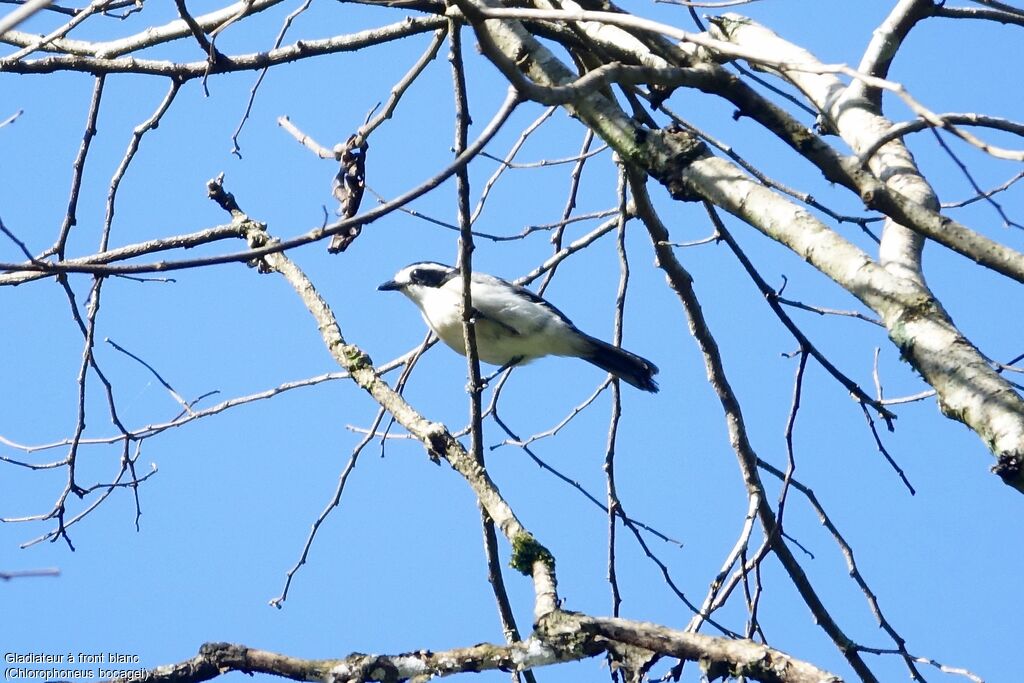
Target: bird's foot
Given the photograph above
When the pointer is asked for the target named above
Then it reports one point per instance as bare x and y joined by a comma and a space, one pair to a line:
484, 381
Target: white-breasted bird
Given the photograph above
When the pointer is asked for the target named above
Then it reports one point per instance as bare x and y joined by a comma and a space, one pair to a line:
513, 325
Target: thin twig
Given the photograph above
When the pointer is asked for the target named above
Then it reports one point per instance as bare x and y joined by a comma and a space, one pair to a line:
171, 390
235, 148
277, 246
399, 89
28, 573
334, 502
133, 146
570, 205
507, 161
682, 284
987, 197
77, 170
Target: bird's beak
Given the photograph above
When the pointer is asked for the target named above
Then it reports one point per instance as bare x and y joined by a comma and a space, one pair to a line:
388, 286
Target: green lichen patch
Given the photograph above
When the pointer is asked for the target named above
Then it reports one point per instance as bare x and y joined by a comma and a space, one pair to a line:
525, 551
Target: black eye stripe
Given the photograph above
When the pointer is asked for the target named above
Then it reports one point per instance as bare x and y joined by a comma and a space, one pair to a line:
431, 277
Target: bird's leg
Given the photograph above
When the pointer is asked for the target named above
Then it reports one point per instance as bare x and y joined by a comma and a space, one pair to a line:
484, 381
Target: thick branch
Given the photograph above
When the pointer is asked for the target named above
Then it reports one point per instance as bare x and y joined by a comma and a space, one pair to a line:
529, 556
258, 60
911, 204
215, 659
151, 36
562, 637
886, 41
719, 656
969, 390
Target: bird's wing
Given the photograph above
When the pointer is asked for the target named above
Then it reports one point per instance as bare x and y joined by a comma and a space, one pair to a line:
514, 291
480, 315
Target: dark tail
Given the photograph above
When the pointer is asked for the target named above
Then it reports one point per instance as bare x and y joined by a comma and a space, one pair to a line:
627, 366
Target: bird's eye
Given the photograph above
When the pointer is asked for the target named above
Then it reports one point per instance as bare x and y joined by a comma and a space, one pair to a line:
427, 277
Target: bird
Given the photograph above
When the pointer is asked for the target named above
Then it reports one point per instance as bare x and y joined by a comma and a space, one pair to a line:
513, 325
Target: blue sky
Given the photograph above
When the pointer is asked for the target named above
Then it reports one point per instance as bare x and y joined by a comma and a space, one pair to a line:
399, 566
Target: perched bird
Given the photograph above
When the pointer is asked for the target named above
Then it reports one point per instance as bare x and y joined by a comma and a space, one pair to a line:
513, 325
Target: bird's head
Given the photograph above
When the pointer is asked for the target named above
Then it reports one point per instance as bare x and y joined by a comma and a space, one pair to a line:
417, 278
